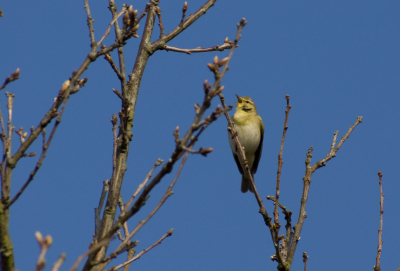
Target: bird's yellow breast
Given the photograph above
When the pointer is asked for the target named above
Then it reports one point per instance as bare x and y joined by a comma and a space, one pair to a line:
248, 128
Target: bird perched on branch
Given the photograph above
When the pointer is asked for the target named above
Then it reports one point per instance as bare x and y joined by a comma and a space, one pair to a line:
250, 131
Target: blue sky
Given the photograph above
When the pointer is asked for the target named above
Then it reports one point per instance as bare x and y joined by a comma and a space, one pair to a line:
336, 59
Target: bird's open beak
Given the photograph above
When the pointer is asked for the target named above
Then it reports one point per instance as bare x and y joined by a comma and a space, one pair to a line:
239, 100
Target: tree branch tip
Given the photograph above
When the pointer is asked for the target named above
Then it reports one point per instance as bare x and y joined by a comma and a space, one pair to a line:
171, 230
117, 93
380, 174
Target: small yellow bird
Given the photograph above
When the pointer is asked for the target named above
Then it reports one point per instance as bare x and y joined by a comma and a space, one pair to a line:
250, 131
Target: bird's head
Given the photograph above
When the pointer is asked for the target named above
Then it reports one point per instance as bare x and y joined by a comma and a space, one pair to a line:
245, 104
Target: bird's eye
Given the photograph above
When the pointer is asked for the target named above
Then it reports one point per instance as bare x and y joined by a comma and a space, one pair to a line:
247, 102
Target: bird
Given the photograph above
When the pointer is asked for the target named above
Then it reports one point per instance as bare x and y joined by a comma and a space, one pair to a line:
250, 131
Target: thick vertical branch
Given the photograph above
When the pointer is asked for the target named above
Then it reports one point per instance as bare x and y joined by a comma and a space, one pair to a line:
125, 134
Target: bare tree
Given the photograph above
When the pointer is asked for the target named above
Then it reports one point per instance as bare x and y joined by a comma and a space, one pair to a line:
109, 225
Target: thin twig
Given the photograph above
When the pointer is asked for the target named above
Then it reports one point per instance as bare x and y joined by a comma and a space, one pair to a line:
97, 211
305, 258
158, 12
182, 26
131, 252
10, 101
167, 194
113, 66
144, 12
120, 39
288, 226
119, 14
125, 225
184, 9
14, 76
43, 154
280, 162
222, 47
377, 267
90, 24
148, 176
169, 233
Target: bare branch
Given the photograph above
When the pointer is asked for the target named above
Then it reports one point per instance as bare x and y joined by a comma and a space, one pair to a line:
280, 162
377, 267
90, 24
191, 19
42, 156
167, 194
148, 176
306, 185
222, 47
97, 211
169, 233
143, 13
125, 225
107, 57
158, 12
119, 14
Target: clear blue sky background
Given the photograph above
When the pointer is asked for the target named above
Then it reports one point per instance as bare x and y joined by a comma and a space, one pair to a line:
336, 59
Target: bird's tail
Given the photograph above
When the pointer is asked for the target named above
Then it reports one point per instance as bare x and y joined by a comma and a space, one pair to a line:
246, 185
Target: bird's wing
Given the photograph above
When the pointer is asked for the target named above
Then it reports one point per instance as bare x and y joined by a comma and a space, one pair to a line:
259, 149
238, 163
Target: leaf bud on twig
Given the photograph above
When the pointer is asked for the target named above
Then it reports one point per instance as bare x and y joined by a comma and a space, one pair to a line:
226, 40
135, 28
215, 59
223, 61
211, 67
